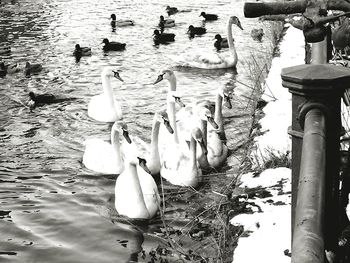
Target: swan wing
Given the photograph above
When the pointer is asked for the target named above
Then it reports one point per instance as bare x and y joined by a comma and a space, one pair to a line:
101, 109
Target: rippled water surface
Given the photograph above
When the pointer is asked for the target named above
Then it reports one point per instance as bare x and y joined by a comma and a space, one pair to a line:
52, 209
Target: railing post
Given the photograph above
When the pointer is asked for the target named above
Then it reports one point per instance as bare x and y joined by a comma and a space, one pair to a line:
317, 87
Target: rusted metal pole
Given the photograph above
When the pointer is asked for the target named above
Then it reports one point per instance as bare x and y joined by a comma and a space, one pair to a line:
308, 245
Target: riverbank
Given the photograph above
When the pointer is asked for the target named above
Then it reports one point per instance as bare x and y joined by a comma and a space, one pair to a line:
266, 236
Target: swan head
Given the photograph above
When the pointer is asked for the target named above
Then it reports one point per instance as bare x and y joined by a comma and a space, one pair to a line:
121, 127
204, 113
198, 136
174, 97
109, 72
135, 157
113, 17
162, 117
235, 21
166, 74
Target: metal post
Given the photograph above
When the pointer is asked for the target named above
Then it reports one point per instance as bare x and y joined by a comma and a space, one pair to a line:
308, 245
319, 52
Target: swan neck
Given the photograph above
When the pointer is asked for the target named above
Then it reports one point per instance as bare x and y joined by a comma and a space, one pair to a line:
172, 82
172, 119
231, 44
218, 111
204, 125
154, 140
107, 89
193, 152
135, 186
116, 145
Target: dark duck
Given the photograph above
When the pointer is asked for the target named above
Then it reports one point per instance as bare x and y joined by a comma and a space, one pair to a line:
112, 45
171, 10
161, 38
44, 99
81, 51
220, 42
209, 17
193, 31
32, 68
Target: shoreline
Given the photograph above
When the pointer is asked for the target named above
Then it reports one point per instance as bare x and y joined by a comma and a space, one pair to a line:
267, 235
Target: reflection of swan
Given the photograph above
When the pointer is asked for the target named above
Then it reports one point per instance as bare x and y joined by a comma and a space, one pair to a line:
151, 151
136, 193
125, 22
104, 157
214, 60
183, 169
104, 107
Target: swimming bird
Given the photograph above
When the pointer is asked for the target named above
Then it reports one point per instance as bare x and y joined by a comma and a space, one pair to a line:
220, 42
104, 157
165, 23
121, 22
192, 31
81, 51
209, 17
40, 100
151, 151
171, 10
162, 38
32, 68
9, 68
5, 50
257, 34
214, 60
113, 45
183, 169
136, 193
104, 107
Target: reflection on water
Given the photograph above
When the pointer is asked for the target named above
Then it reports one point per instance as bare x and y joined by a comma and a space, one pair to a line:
52, 208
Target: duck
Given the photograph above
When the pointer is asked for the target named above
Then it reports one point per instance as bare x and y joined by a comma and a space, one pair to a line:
9, 68
136, 193
209, 17
5, 50
121, 22
162, 38
183, 170
165, 23
257, 34
104, 157
32, 68
104, 107
81, 51
220, 42
214, 60
151, 151
192, 31
40, 100
112, 45
171, 10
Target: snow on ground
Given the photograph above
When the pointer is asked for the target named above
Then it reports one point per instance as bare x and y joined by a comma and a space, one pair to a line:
269, 231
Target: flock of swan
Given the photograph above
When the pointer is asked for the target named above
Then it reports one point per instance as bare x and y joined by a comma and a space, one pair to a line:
186, 140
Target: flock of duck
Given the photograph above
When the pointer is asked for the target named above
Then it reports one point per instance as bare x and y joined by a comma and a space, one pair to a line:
186, 141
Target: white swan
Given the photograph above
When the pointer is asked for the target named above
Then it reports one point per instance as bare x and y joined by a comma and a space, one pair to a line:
183, 169
105, 107
103, 157
214, 60
151, 151
216, 138
136, 193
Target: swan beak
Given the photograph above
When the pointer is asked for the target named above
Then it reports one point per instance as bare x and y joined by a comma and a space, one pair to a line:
212, 122
179, 102
168, 126
117, 76
203, 147
227, 102
126, 136
159, 79
239, 25
142, 163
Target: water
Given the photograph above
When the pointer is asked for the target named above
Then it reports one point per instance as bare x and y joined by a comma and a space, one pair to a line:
52, 209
